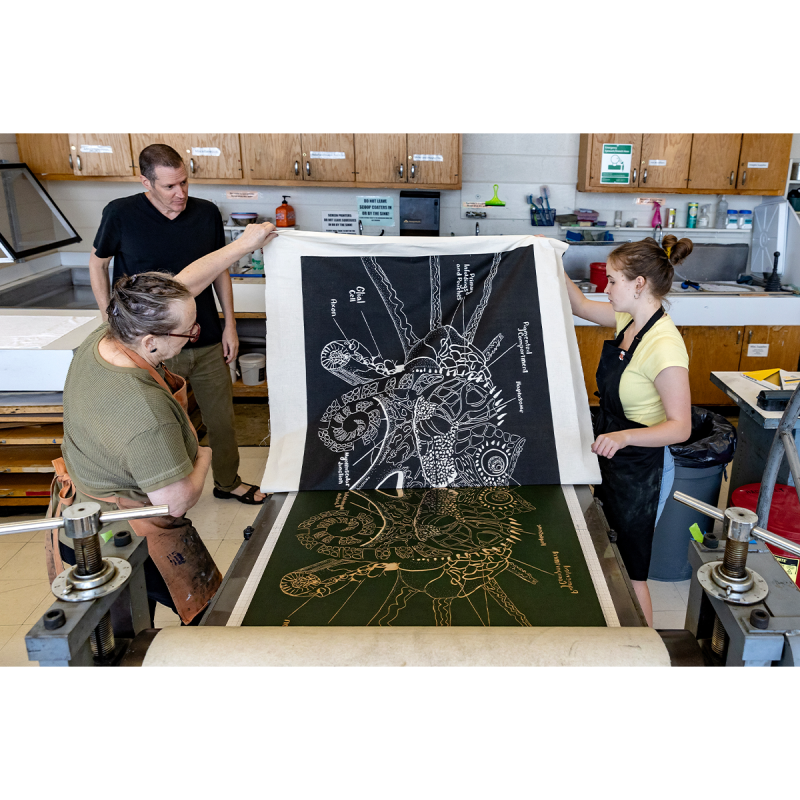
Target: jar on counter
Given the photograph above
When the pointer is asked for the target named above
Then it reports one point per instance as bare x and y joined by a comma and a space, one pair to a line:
746, 219
732, 222
691, 218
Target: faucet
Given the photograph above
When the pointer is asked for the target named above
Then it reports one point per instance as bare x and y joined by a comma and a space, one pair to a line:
477, 229
658, 233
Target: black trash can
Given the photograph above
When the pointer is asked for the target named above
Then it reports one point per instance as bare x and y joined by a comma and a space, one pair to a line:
699, 462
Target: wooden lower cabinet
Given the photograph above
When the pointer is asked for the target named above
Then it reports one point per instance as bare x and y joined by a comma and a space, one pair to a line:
590, 345
783, 351
711, 349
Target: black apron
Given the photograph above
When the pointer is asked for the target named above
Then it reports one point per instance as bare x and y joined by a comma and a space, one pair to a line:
632, 478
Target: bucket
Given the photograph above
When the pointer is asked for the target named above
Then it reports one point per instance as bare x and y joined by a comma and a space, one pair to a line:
254, 368
597, 275
784, 519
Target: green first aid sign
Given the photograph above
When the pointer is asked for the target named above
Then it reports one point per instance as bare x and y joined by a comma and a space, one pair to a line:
615, 163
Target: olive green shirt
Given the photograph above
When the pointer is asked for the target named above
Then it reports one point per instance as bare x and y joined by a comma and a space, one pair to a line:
124, 434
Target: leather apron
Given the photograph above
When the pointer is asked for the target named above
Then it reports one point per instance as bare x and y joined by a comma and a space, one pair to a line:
174, 545
632, 477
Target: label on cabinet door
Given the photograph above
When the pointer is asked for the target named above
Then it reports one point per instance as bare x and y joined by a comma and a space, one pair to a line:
206, 151
428, 157
658, 162
758, 165
96, 148
325, 154
757, 350
340, 222
615, 163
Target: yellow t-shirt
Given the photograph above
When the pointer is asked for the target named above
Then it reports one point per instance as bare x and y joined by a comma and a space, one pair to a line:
661, 347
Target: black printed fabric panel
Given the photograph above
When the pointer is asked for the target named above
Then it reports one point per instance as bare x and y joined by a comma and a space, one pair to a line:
425, 372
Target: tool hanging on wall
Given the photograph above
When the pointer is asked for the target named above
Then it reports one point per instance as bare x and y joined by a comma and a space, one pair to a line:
495, 201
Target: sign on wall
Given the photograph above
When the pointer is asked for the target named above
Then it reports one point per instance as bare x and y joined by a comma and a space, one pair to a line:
376, 211
615, 164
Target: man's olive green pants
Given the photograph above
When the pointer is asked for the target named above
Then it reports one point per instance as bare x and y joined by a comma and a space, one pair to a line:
210, 379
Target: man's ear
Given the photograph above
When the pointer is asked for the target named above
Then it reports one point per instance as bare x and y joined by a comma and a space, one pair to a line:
145, 182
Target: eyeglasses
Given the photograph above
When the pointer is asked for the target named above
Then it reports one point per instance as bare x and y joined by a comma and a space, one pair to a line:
192, 336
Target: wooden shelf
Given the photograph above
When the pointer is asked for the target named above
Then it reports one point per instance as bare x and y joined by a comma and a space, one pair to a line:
240, 390
33, 434
30, 486
29, 458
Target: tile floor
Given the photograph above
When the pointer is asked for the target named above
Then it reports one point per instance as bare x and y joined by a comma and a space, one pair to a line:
24, 589
25, 592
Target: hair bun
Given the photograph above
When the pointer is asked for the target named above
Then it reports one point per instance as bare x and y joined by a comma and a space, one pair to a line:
678, 249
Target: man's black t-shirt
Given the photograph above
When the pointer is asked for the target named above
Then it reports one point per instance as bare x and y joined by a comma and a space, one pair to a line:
142, 239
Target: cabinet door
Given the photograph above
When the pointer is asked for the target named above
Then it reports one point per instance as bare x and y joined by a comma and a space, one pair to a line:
328, 157
715, 161
665, 160
381, 157
711, 349
207, 156
590, 345
45, 153
597, 141
764, 161
101, 154
434, 158
272, 156
783, 347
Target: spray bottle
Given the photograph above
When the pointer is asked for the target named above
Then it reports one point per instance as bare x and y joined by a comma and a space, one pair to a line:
721, 219
284, 214
656, 214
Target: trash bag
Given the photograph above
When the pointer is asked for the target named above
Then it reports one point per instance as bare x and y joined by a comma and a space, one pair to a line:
712, 441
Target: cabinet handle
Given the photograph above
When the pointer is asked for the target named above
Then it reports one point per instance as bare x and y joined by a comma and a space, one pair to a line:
401, 170
191, 165
644, 176
738, 336
296, 167
308, 168
744, 177
70, 162
80, 168
732, 176
634, 175
749, 337
413, 170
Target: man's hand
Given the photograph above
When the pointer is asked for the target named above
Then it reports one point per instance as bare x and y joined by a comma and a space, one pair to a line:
607, 444
230, 343
256, 236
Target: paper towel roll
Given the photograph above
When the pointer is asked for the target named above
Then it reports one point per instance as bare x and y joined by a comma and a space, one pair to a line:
408, 646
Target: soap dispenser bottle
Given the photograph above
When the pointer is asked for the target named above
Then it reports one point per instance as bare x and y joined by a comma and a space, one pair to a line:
284, 214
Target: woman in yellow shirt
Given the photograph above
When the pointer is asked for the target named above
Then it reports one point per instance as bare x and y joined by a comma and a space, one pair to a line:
645, 405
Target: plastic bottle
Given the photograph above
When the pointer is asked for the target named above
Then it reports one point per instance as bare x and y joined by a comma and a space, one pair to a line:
656, 214
732, 222
721, 219
257, 260
284, 214
746, 219
703, 220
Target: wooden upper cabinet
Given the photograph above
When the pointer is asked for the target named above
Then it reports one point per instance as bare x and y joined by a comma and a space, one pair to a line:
591, 157
328, 157
764, 161
272, 156
665, 160
208, 156
381, 157
101, 154
434, 158
45, 153
715, 161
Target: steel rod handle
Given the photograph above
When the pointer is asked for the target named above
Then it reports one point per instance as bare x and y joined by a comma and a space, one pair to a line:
760, 533
105, 519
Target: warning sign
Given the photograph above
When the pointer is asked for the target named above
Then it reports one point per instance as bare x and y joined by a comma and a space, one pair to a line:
615, 163
340, 222
790, 565
376, 211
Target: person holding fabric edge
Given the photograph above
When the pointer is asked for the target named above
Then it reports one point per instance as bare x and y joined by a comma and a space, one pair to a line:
164, 229
645, 402
152, 457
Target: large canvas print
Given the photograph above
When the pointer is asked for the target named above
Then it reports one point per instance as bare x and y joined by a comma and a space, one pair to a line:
435, 363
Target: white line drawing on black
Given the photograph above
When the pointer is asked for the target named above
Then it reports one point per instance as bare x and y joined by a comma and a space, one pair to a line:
434, 419
443, 544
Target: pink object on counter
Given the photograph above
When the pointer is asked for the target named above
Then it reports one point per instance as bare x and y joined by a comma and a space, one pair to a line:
656, 214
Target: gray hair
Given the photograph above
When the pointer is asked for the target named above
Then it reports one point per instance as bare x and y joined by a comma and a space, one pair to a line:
158, 155
142, 304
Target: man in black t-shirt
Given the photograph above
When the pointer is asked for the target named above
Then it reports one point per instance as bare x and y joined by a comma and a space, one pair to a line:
164, 229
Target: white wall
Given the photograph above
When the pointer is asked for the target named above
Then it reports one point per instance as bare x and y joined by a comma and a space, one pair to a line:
519, 163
